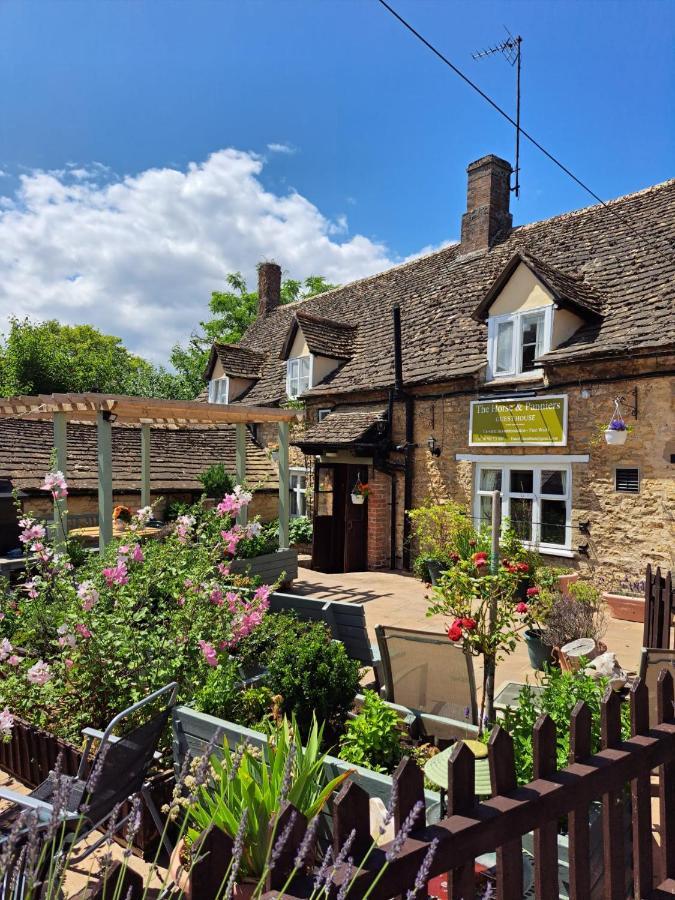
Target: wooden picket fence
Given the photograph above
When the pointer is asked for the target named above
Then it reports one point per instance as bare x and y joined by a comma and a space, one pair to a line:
659, 609
472, 828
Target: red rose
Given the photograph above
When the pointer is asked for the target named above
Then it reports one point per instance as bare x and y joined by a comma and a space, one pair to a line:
521, 607
532, 592
522, 567
454, 632
455, 557
480, 559
469, 624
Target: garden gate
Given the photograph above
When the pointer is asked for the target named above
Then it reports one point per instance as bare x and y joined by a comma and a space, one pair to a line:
659, 610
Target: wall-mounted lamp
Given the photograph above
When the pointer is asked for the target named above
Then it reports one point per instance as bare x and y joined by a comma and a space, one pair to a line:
432, 446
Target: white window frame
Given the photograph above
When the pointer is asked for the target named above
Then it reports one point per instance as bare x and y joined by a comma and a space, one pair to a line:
536, 496
216, 383
323, 412
517, 343
291, 393
296, 472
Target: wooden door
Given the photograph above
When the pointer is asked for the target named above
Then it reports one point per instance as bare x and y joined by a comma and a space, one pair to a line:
329, 518
356, 523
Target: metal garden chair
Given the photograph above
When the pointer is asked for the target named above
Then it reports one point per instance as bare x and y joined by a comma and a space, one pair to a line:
117, 772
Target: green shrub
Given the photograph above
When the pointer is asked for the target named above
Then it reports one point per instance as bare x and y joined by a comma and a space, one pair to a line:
276, 629
373, 738
267, 541
300, 530
219, 694
216, 481
562, 691
314, 676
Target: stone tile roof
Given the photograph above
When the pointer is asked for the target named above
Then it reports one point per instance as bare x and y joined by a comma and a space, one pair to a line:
178, 456
634, 277
324, 337
347, 425
237, 362
569, 290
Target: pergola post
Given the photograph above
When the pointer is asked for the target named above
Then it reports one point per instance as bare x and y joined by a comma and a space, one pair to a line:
105, 494
284, 486
61, 448
145, 465
240, 461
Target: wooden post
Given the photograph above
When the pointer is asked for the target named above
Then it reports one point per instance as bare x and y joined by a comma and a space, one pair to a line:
240, 458
145, 465
284, 486
105, 498
496, 529
61, 447
490, 663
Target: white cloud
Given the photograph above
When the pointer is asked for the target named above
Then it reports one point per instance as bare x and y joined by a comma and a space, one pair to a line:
138, 256
281, 148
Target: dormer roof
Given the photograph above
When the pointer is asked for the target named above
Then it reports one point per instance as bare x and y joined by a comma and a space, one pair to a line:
237, 362
568, 290
324, 337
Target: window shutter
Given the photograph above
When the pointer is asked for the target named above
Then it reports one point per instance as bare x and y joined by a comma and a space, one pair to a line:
627, 481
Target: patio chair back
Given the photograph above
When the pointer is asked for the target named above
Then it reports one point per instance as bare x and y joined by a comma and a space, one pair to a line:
121, 764
651, 662
427, 672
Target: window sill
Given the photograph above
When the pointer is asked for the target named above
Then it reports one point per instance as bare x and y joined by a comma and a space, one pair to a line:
535, 375
550, 551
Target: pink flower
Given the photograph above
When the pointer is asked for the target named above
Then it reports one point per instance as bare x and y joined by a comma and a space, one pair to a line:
6, 724
209, 652
6, 649
68, 663
262, 595
181, 601
31, 587
55, 483
39, 674
143, 515
137, 554
14, 660
223, 569
123, 550
83, 631
232, 600
228, 506
117, 574
521, 607
231, 539
184, 525
88, 595
532, 592
216, 597
31, 531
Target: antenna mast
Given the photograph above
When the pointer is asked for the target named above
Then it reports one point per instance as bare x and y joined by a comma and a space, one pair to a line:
510, 50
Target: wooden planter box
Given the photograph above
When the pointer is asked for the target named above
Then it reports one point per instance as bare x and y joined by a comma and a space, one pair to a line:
269, 567
630, 609
32, 753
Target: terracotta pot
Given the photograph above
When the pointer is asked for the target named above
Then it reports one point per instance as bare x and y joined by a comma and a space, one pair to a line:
177, 874
571, 663
564, 581
629, 609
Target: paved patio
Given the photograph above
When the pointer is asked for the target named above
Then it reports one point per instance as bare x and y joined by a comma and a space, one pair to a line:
392, 598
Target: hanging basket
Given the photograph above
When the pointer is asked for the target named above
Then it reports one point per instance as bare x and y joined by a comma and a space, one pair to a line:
358, 499
613, 436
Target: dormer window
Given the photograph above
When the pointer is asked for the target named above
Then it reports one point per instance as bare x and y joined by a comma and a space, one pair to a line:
517, 339
298, 375
219, 390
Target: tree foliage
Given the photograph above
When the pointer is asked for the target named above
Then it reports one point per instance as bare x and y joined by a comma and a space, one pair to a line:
233, 310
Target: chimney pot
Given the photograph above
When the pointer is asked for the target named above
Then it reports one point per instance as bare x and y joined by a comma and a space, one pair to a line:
269, 288
487, 217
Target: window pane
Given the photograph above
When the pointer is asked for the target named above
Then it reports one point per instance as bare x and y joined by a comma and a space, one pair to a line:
304, 366
485, 511
293, 504
504, 355
521, 518
490, 480
521, 481
531, 343
553, 481
553, 514
325, 480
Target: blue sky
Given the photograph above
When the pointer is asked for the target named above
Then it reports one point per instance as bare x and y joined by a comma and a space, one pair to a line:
380, 131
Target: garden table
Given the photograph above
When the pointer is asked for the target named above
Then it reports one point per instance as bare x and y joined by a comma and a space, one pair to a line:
436, 770
89, 534
509, 692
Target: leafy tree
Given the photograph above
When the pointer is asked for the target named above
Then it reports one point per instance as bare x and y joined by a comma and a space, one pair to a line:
48, 357
233, 310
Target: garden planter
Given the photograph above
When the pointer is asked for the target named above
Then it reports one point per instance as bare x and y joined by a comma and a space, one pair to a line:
540, 654
612, 436
564, 581
269, 567
630, 609
358, 499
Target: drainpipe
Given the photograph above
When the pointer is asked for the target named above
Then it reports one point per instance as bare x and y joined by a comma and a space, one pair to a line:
409, 447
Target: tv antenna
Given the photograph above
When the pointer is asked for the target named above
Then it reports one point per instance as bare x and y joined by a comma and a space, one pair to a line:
510, 50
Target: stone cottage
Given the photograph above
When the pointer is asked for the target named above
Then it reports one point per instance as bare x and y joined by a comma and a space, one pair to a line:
495, 363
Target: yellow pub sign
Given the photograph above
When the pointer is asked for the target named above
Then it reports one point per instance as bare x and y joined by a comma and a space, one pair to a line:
527, 422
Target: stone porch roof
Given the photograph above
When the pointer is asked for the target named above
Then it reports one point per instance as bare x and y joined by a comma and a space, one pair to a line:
345, 426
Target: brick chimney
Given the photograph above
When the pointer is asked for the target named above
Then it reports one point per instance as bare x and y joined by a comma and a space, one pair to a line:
487, 215
269, 288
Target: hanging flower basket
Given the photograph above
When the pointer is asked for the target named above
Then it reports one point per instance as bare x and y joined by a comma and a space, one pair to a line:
360, 492
617, 430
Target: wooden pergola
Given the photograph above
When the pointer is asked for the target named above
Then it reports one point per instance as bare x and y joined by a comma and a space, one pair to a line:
104, 409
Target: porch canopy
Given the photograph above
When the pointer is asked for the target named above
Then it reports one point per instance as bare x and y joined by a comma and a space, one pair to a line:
104, 409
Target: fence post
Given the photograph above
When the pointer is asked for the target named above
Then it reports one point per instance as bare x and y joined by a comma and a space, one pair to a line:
579, 853
546, 837
208, 873
640, 789
351, 812
284, 849
503, 778
666, 713
612, 804
461, 800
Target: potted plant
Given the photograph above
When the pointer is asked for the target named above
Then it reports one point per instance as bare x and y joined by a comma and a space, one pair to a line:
360, 493
626, 601
539, 651
572, 617
216, 483
121, 518
616, 432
